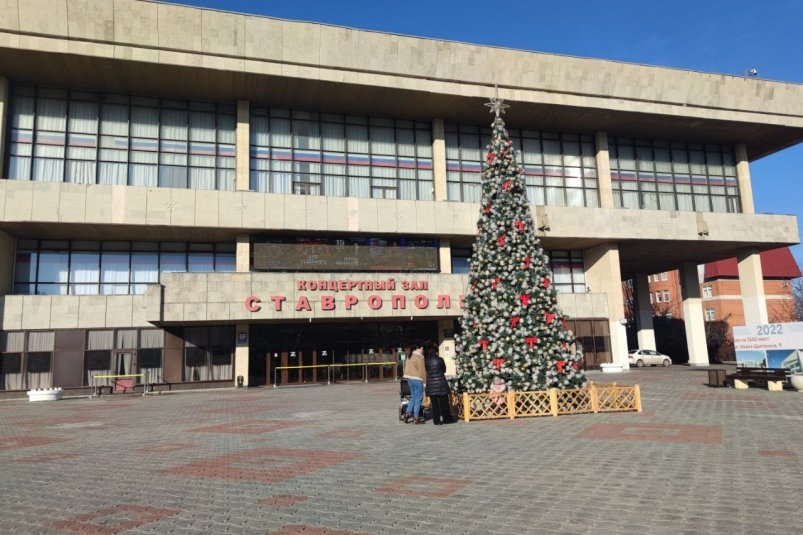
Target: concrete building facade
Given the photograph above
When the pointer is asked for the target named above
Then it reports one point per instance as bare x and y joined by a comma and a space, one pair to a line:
198, 195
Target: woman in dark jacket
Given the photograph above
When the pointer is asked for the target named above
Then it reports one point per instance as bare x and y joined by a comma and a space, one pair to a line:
438, 389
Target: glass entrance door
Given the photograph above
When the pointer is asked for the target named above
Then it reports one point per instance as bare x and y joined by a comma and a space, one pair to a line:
124, 364
357, 351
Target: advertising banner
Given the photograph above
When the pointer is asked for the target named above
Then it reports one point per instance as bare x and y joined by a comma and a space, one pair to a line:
772, 345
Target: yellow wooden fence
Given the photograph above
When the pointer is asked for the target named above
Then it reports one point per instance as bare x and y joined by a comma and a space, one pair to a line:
553, 402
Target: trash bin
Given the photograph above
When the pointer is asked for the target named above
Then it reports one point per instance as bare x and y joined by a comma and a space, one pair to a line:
716, 378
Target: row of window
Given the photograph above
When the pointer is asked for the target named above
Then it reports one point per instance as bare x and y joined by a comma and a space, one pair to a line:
88, 138
341, 156
27, 362
57, 267
659, 175
568, 269
657, 277
559, 169
60, 267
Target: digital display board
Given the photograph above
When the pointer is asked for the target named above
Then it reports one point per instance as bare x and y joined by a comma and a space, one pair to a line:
345, 254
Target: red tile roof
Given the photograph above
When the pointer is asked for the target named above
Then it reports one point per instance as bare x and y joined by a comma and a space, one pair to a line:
776, 264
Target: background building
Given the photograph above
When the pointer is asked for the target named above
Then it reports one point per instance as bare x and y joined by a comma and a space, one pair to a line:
202, 195
722, 299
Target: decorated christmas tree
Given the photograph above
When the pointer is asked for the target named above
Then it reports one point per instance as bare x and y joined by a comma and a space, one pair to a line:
511, 325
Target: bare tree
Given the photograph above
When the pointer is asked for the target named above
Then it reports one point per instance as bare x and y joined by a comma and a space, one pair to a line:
790, 308
797, 299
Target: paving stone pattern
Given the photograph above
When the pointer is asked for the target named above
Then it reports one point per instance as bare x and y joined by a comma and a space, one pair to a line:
335, 460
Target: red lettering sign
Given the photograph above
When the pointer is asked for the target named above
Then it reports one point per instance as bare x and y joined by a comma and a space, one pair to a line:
252, 303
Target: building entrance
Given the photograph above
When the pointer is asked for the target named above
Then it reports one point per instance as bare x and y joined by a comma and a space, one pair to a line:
304, 353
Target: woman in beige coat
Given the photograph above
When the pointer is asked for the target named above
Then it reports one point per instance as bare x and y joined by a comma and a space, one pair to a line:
415, 372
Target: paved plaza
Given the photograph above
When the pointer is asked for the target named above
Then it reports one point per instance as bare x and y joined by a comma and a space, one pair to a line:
335, 460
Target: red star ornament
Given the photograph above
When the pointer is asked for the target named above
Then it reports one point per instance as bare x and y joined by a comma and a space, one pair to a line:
525, 299
560, 365
527, 261
490, 157
549, 317
519, 225
501, 240
498, 363
514, 321
495, 282
484, 344
507, 185
531, 341
545, 283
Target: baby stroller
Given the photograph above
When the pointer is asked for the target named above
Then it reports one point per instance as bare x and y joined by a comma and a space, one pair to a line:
404, 397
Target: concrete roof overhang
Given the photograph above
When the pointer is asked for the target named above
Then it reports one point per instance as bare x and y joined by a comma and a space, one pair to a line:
762, 135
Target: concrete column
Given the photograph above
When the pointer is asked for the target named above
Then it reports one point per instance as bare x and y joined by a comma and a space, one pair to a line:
241, 353
439, 159
445, 252
751, 281
743, 177
243, 253
604, 276
4, 94
243, 147
446, 344
693, 315
604, 171
7, 244
645, 332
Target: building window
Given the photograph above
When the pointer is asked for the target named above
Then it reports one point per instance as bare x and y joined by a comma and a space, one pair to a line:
666, 296
649, 279
651, 298
97, 138
663, 175
123, 352
664, 276
342, 156
208, 353
26, 364
568, 271
60, 267
710, 314
657, 297
558, 169
568, 268
707, 291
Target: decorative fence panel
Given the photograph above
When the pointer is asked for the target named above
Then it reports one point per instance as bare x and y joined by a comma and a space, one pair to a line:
552, 402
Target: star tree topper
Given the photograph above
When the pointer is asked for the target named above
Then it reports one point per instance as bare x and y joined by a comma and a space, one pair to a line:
497, 105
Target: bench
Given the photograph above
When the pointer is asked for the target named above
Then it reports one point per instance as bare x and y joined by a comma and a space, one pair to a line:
774, 378
154, 387
98, 389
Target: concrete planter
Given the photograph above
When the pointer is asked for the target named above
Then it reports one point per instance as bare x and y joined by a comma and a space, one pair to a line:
797, 381
611, 367
45, 394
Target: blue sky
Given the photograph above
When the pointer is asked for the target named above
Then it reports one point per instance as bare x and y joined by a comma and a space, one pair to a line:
723, 36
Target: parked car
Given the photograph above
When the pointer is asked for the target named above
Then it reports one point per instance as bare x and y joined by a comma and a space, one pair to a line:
647, 357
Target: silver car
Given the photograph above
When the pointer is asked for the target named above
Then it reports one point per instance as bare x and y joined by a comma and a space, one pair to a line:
648, 357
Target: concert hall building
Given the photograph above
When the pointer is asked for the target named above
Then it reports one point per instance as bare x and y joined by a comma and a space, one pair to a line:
201, 195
